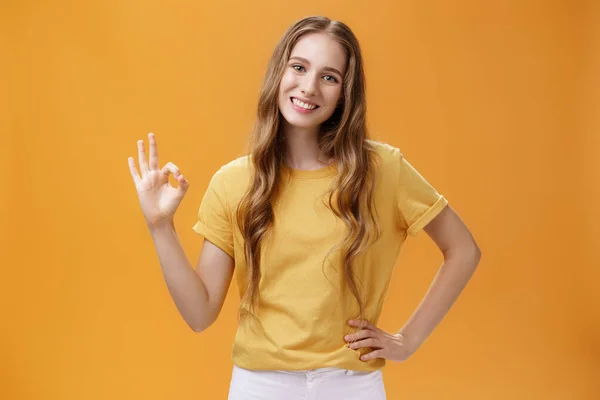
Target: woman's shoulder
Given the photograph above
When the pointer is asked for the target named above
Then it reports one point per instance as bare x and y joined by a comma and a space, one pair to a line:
238, 168
388, 153
231, 179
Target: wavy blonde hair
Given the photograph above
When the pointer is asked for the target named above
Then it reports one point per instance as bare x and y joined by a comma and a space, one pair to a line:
343, 137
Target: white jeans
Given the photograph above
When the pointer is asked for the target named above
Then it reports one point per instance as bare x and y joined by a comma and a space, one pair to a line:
314, 384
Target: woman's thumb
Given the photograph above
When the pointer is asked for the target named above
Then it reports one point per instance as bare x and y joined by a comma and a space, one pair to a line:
183, 183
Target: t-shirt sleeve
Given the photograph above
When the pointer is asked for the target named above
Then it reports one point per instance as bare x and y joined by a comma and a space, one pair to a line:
214, 217
418, 202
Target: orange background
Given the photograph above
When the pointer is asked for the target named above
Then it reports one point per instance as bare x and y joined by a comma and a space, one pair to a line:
496, 103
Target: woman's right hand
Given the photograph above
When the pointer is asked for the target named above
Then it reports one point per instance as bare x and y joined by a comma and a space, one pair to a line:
159, 200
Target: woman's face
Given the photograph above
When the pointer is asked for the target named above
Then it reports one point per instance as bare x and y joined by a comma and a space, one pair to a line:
312, 82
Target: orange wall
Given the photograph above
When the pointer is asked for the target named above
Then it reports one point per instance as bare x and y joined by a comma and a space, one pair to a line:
494, 102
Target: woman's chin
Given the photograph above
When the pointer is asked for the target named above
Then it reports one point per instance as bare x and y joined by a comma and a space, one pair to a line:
304, 123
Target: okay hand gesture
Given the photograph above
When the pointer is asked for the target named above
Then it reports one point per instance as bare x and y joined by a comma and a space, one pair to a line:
159, 200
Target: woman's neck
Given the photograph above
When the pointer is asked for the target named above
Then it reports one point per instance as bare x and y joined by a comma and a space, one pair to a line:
302, 148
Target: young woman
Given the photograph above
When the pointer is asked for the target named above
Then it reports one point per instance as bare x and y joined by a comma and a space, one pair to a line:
312, 219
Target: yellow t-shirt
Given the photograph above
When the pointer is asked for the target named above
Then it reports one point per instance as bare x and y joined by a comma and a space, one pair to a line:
305, 304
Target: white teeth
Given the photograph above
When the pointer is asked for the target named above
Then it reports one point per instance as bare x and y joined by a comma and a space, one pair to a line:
303, 105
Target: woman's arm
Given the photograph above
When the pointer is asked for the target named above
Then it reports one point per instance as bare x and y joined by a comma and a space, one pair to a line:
198, 294
461, 257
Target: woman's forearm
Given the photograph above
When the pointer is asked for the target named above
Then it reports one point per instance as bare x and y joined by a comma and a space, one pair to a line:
452, 277
186, 288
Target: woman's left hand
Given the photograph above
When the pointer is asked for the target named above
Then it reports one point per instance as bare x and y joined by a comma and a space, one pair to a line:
391, 347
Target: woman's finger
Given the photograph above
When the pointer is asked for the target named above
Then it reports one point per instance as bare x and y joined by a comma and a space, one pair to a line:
362, 334
171, 168
372, 355
142, 158
133, 170
370, 342
361, 323
153, 162
183, 183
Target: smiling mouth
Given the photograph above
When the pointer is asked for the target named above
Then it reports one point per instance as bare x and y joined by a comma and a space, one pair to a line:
306, 106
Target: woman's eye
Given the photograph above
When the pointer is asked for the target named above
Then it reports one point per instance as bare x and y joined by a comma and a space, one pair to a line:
328, 78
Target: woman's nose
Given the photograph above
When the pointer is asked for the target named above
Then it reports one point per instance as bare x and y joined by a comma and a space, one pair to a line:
309, 87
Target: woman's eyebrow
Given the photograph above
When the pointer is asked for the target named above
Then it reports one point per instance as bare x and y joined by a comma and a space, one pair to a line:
304, 60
